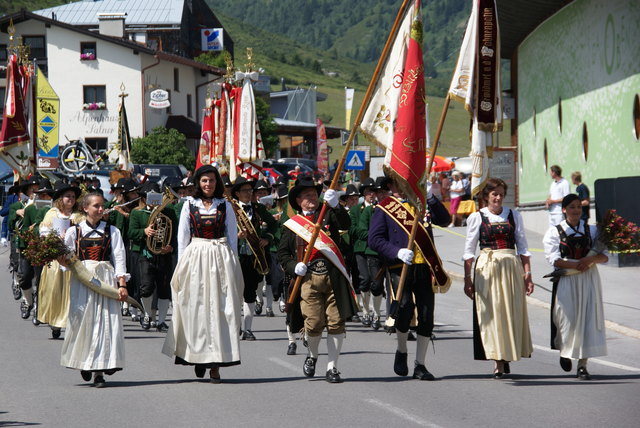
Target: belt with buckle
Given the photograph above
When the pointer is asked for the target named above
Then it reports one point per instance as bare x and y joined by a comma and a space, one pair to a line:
319, 266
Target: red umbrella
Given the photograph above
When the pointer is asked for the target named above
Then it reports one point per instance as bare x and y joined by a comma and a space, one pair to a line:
441, 164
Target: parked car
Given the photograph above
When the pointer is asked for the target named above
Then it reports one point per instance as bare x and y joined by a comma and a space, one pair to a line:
311, 163
284, 168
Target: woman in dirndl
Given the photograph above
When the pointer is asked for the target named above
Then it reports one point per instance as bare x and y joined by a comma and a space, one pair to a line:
499, 282
53, 291
94, 337
207, 284
577, 316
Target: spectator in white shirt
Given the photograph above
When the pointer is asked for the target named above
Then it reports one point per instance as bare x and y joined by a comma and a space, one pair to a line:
558, 190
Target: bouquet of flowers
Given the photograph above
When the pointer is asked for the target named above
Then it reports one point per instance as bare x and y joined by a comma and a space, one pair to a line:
42, 250
94, 106
618, 234
87, 56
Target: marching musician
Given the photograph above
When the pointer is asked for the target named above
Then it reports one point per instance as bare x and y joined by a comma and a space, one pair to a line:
252, 245
155, 270
25, 272
262, 189
326, 297
369, 263
389, 237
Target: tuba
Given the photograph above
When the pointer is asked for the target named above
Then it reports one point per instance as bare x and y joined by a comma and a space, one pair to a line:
161, 224
253, 239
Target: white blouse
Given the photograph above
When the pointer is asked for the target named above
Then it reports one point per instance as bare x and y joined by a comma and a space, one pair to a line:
184, 228
118, 255
473, 231
551, 240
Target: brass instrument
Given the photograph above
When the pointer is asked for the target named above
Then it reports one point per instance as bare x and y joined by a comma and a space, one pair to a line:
161, 223
253, 239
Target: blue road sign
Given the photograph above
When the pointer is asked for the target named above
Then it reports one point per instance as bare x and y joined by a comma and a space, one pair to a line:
355, 160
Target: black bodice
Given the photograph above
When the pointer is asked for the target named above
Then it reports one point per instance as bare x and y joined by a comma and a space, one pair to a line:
94, 245
575, 246
208, 226
498, 236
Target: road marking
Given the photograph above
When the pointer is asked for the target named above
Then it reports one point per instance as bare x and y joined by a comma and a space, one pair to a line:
401, 413
595, 360
286, 365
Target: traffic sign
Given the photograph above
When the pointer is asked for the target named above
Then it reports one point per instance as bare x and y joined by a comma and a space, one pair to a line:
355, 160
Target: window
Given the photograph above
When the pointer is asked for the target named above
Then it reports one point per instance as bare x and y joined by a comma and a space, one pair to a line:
88, 51
169, 99
37, 45
176, 80
560, 114
94, 94
585, 141
546, 156
636, 116
97, 144
189, 111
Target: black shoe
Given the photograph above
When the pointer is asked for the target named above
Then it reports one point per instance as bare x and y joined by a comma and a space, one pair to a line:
35, 321
86, 375
162, 327
269, 313
309, 367
125, 312
390, 330
258, 309
366, 320
25, 310
291, 350
99, 382
355, 318
400, 364
507, 369
248, 335
333, 376
421, 372
498, 374
200, 370
583, 374
411, 337
145, 322
55, 333
565, 363
376, 324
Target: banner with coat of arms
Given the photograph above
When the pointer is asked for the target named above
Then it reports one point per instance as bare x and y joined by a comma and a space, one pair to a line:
47, 119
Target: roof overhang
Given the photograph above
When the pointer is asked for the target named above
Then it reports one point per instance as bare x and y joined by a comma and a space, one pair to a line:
293, 127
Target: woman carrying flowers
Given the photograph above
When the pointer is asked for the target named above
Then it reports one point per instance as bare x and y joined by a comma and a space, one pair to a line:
577, 317
53, 292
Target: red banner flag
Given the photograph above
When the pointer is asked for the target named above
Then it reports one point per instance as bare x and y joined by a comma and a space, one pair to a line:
204, 150
406, 160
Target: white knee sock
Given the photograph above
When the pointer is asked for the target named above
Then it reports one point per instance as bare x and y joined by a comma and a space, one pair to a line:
422, 343
259, 292
377, 302
290, 335
366, 299
27, 295
582, 362
248, 309
402, 341
146, 303
269, 293
314, 344
163, 308
334, 344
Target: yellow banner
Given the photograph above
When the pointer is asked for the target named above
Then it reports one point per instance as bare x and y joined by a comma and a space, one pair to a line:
47, 118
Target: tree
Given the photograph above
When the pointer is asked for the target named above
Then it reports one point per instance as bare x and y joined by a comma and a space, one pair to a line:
268, 128
214, 59
162, 146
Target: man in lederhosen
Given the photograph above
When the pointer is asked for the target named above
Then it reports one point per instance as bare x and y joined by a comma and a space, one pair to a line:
389, 236
252, 244
326, 298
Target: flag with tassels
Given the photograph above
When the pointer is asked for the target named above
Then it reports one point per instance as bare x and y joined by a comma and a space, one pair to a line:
249, 147
476, 83
15, 148
124, 138
205, 147
395, 117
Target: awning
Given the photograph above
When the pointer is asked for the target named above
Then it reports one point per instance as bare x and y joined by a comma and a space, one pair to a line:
184, 125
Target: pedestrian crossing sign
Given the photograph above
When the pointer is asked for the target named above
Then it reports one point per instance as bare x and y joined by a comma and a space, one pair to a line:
355, 160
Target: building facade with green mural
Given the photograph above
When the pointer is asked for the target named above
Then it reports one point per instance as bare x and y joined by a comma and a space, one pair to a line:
576, 80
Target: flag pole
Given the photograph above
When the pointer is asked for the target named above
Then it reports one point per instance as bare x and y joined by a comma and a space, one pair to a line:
336, 176
395, 304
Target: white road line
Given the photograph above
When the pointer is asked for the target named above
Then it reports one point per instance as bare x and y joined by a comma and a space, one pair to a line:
401, 413
594, 360
286, 365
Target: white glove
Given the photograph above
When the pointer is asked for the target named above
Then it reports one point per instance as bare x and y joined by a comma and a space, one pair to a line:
405, 255
331, 197
301, 269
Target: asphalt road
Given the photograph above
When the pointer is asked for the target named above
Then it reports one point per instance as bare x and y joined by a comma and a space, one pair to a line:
268, 388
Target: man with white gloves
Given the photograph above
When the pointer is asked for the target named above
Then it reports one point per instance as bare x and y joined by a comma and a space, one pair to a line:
389, 237
326, 297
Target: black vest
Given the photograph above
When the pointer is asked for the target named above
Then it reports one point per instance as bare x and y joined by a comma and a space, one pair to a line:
208, 226
498, 236
95, 245
575, 246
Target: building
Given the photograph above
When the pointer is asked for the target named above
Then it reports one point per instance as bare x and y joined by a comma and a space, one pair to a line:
94, 65
575, 77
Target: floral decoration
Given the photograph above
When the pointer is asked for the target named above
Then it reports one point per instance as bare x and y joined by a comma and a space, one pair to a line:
42, 250
618, 234
87, 56
94, 106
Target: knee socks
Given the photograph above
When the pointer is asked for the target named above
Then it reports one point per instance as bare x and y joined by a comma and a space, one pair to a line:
269, 294
147, 302
402, 341
163, 308
314, 344
422, 343
334, 344
27, 295
366, 299
248, 309
377, 302
290, 335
